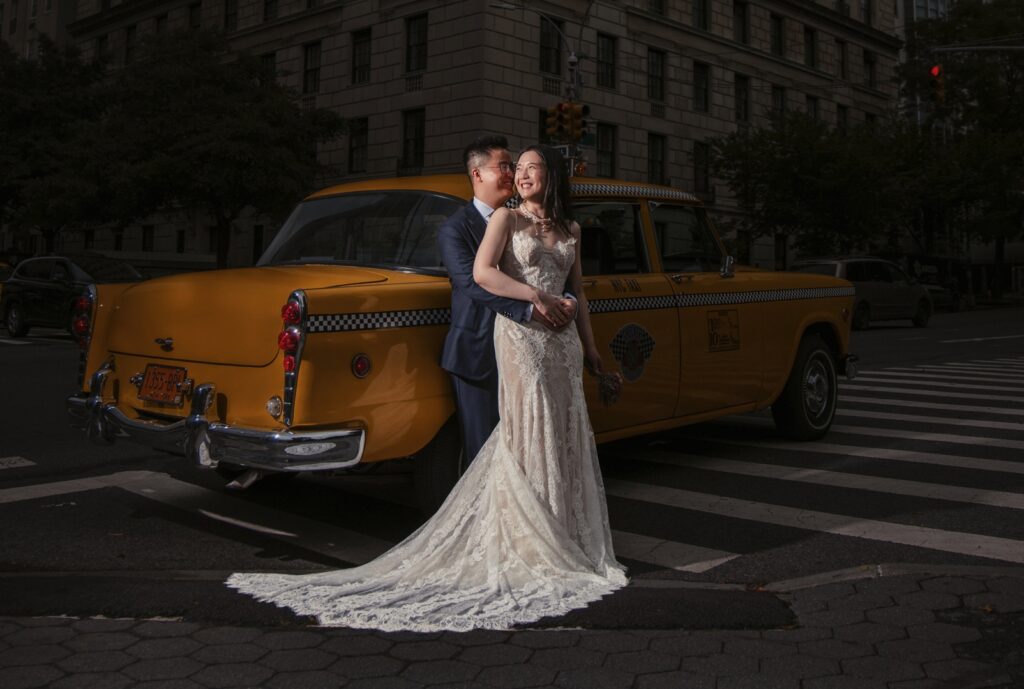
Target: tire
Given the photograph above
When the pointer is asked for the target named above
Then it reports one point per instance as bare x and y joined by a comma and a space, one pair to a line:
437, 467
923, 314
14, 319
807, 405
861, 316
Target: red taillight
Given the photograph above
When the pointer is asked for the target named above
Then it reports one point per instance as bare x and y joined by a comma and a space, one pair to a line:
83, 304
360, 365
289, 363
80, 327
81, 323
288, 340
291, 313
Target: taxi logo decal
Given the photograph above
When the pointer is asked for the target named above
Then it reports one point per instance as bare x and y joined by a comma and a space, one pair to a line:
632, 347
723, 330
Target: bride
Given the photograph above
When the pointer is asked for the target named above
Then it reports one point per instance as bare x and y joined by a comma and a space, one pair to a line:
524, 534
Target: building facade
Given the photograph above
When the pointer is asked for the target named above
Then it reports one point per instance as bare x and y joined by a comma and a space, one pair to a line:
418, 79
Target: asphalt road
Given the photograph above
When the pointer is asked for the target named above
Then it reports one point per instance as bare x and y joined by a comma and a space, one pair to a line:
922, 466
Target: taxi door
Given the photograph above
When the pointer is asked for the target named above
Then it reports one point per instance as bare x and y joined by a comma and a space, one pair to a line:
633, 314
720, 335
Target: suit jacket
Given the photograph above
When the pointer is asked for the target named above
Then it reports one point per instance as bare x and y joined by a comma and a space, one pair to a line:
469, 347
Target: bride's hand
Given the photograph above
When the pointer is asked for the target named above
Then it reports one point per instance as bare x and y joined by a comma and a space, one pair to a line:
551, 308
592, 358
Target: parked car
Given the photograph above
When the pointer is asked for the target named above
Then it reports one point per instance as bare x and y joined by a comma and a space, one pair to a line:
326, 354
42, 291
883, 291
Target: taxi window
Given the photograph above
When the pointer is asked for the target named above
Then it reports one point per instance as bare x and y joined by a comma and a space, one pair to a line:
856, 271
816, 268
611, 242
879, 272
685, 240
379, 228
36, 270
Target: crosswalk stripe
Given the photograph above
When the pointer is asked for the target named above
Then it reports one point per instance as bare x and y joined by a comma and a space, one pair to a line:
15, 462
916, 373
973, 369
962, 371
883, 453
810, 520
1017, 363
892, 380
4, 340
837, 479
939, 420
930, 437
888, 401
679, 556
931, 393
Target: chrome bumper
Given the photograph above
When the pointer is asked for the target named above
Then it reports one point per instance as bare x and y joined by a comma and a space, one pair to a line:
207, 443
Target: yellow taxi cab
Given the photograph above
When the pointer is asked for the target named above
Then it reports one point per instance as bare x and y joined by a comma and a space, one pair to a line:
326, 354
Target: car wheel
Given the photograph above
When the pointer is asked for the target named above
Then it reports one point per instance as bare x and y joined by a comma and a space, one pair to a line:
437, 467
15, 320
862, 316
807, 405
923, 314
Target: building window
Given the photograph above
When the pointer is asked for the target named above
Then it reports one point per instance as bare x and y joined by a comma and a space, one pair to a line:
870, 76
843, 7
842, 118
606, 60
701, 168
413, 136
740, 22
269, 62
656, 158
416, 43
778, 35
211, 240
160, 24
13, 26
701, 14
230, 15
810, 47
88, 239
741, 97
655, 75
867, 11
813, 108
842, 65
311, 68
269, 10
550, 46
656, 6
147, 237
195, 15
33, 7
606, 150
1, 16
129, 44
179, 241
361, 56
102, 47
870, 119
701, 87
358, 141
778, 98
118, 239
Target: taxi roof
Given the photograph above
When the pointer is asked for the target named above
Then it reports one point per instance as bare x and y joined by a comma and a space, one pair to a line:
457, 184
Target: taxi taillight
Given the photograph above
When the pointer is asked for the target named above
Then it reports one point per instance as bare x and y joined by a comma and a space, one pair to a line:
81, 320
290, 341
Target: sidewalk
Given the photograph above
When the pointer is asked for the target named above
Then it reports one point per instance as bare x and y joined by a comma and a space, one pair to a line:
884, 627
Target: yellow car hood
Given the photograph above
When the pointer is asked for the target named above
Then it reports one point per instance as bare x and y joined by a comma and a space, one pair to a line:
220, 317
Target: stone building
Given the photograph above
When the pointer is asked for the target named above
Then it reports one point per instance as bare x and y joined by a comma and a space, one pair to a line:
419, 78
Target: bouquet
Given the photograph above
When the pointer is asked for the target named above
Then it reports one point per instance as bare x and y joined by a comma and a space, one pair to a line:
609, 387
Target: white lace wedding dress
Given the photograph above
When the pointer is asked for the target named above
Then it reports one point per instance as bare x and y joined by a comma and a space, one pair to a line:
524, 534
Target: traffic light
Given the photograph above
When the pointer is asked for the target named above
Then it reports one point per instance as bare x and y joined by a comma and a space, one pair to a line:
938, 77
577, 121
556, 123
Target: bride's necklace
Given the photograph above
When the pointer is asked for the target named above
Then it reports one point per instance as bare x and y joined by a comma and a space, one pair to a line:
544, 225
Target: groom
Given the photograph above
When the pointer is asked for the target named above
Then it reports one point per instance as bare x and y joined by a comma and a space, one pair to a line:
468, 353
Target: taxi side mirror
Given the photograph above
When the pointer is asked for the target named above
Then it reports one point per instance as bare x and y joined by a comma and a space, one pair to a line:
728, 269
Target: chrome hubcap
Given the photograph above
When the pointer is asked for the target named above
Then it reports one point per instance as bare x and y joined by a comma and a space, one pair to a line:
817, 391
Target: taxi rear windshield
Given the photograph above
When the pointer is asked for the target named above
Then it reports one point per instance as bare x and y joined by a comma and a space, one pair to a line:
395, 229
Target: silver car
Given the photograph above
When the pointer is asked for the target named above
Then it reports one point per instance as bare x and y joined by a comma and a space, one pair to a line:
884, 291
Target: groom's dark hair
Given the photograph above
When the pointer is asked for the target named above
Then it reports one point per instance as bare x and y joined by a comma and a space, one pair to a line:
482, 147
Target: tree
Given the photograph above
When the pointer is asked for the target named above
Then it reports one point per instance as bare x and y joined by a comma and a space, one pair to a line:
211, 133
830, 190
49, 179
980, 111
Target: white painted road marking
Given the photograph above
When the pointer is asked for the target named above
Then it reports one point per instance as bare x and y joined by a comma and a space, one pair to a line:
983, 339
944, 380
936, 420
14, 462
934, 393
891, 402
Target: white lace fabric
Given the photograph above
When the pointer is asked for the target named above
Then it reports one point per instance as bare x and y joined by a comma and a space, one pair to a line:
524, 534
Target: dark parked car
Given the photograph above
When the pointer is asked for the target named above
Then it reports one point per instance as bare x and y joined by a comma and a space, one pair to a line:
883, 291
42, 291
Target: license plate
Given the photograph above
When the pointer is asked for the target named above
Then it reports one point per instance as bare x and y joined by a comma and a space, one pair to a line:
163, 384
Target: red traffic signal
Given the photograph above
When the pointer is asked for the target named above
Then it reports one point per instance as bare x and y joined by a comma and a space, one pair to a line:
938, 79
935, 71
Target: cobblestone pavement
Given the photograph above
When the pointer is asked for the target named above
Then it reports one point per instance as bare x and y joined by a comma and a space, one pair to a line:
896, 629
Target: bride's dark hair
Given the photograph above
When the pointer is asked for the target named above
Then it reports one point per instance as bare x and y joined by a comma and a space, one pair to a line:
557, 201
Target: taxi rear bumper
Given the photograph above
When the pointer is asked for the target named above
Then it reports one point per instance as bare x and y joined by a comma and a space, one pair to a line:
208, 443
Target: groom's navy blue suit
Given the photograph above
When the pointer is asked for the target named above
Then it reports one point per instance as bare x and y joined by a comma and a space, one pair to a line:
468, 353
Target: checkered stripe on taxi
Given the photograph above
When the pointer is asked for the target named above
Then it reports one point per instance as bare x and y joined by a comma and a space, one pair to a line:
632, 304
590, 189
342, 322
726, 298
